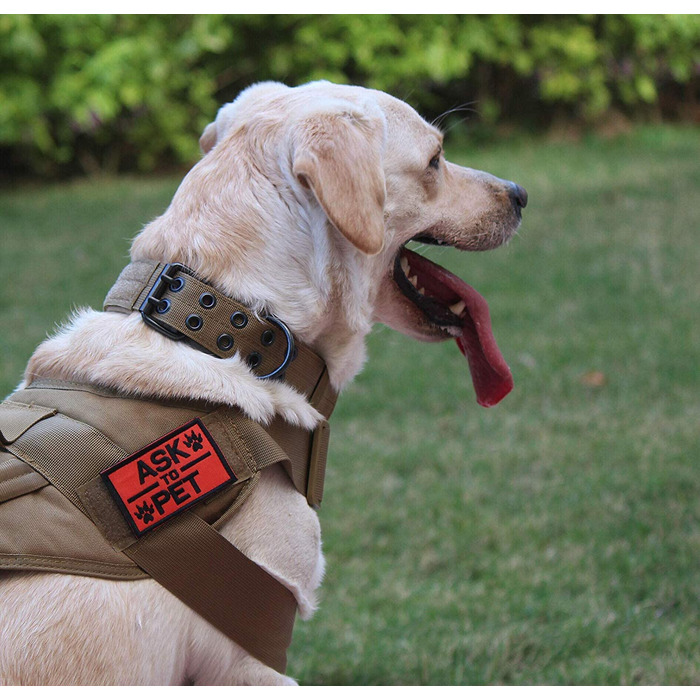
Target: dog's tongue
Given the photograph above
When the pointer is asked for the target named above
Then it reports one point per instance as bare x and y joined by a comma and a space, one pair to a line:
490, 374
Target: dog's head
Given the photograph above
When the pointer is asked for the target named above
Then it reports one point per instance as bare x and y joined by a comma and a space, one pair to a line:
303, 204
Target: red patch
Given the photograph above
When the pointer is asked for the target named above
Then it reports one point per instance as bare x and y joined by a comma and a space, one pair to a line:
168, 476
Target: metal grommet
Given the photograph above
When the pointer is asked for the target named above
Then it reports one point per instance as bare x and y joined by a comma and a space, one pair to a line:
162, 306
194, 322
224, 342
177, 284
267, 337
207, 300
254, 359
239, 320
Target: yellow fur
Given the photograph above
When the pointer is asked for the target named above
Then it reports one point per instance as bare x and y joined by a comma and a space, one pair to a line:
254, 218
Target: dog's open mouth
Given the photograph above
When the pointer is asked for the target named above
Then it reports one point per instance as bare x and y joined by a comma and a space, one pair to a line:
453, 306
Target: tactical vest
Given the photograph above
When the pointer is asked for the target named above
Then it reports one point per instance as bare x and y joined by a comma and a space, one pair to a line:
100, 484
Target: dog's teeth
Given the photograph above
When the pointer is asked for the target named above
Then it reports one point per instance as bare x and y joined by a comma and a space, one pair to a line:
457, 308
404, 266
413, 280
421, 290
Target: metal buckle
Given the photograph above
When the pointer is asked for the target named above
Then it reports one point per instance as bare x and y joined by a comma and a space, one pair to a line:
167, 275
291, 349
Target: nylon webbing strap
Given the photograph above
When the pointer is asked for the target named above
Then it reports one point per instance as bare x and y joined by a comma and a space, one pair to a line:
186, 555
132, 285
17, 477
220, 324
280, 442
59, 441
178, 557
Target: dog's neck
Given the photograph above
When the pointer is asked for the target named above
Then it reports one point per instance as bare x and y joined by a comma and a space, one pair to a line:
265, 268
262, 239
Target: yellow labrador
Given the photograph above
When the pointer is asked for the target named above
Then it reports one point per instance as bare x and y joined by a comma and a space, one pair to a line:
301, 206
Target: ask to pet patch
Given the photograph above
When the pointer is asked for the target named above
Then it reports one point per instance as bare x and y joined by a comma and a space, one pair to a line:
168, 476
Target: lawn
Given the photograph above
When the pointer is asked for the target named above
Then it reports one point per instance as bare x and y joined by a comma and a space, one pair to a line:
552, 539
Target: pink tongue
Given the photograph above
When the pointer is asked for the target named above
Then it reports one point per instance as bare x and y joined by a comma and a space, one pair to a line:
490, 374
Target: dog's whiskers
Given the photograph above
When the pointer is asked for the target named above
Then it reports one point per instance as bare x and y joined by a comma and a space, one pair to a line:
465, 107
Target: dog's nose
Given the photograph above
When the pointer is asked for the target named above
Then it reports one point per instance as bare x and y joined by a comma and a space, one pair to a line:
518, 195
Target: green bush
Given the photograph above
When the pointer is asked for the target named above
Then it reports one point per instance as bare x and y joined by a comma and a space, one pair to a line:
130, 92
96, 89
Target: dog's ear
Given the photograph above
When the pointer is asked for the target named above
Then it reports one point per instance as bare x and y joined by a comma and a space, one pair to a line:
217, 130
207, 140
338, 155
214, 132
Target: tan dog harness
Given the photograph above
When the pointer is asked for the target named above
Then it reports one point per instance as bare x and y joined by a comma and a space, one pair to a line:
100, 484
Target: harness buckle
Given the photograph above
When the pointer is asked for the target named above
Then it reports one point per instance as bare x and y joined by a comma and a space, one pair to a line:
153, 298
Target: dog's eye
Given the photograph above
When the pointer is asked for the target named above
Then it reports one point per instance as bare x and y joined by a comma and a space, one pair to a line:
435, 162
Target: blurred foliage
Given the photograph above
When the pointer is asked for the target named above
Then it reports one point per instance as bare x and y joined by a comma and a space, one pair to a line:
110, 92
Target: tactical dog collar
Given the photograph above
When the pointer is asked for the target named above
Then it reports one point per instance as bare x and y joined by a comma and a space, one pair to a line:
175, 302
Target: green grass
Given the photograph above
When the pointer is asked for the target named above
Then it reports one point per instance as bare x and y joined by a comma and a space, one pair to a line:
552, 539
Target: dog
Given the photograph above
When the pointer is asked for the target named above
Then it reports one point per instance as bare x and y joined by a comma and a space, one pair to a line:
301, 206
